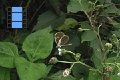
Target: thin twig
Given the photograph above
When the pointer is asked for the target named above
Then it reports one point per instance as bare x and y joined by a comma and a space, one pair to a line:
36, 12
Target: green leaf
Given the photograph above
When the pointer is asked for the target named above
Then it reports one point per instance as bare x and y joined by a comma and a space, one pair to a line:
118, 64
47, 71
116, 71
115, 77
97, 52
8, 51
106, 2
115, 23
4, 73
97, 56
81, 79
49, 18
80, 71
118, 13
73, 6
39, 44
28, 70
94, 76
84, 5
74, 40
110, 60
78, 5
88, 36
117, 33
111, 9
85, 25
101, 1
58, 76
96, 61
69, 23
43, 19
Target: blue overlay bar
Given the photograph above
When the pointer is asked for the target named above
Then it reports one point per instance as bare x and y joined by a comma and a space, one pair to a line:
16, 16
16, 24
16, 9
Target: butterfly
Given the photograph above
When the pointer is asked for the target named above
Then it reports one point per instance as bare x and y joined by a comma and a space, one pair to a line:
61, 39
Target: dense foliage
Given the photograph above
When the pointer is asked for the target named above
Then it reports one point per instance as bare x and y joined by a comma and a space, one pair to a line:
64, 39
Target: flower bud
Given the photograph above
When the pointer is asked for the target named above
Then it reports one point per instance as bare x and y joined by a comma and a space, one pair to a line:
108, 45
77, 56
53, 60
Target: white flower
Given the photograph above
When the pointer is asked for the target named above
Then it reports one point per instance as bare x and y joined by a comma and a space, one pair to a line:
118, 74
66, 72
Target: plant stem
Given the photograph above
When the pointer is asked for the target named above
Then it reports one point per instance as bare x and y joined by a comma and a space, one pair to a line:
99, 43
72, 66
98, 36
71, 52
117, 56
75, 63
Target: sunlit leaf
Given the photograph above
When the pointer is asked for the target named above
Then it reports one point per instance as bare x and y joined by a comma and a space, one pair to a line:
8, 51
47, 71
69, 23
28, 70
39, 44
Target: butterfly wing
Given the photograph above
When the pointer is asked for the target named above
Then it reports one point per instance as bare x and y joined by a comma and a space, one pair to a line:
58, 36
64, 39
